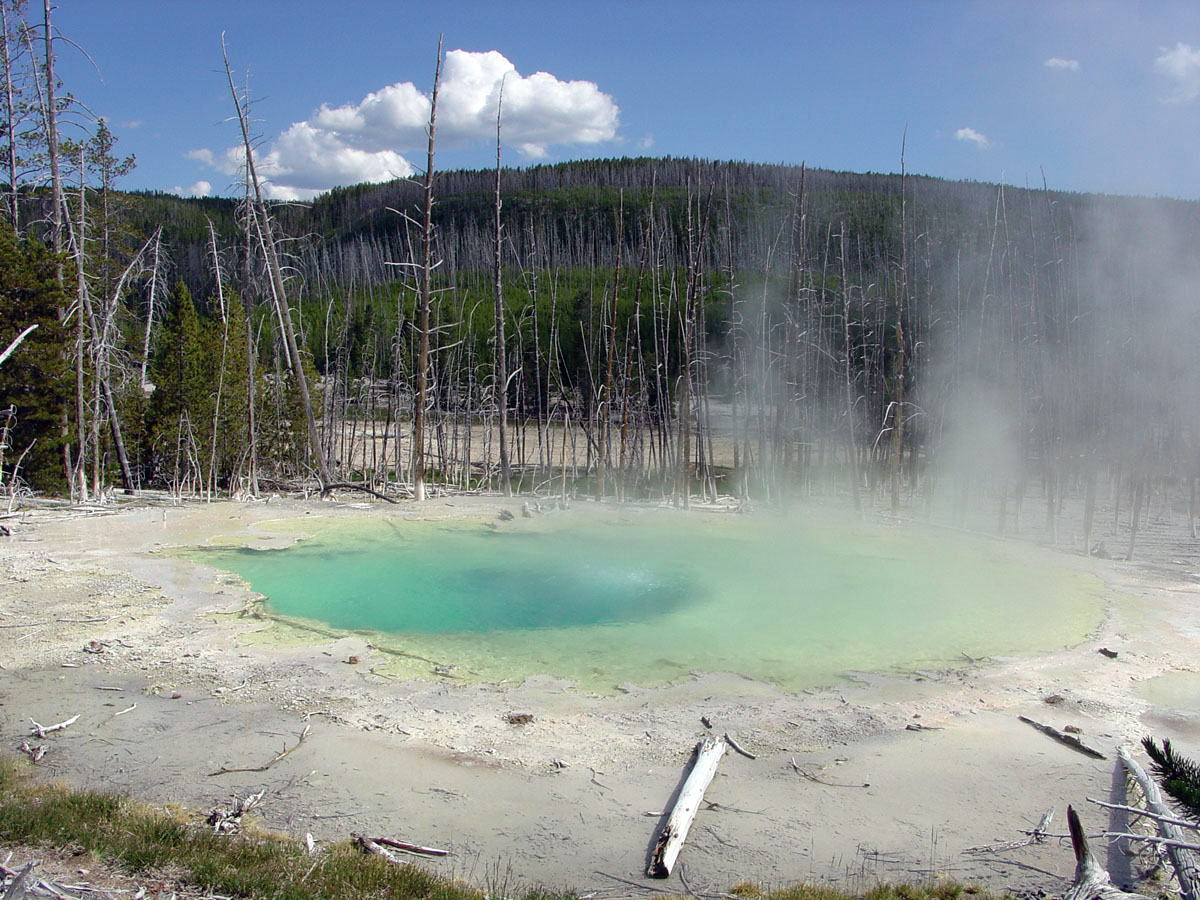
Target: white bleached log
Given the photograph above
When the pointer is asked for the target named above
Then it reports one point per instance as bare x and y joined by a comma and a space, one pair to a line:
1091, 881
1183, 861
1068, 740
674, 832
380, 846
41, 731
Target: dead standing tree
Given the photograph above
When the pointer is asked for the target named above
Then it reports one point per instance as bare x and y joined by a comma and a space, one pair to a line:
500, 376
262, 224
10, 47
901, 291
424, 297
689, 313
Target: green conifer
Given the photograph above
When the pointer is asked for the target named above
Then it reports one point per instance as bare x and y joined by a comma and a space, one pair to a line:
229, 343
184, 379
34, 380
1178, 775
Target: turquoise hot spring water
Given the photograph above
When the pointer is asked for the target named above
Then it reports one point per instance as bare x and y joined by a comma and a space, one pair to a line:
650, 598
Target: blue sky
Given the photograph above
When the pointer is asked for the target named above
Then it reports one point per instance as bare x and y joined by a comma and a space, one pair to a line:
832, 84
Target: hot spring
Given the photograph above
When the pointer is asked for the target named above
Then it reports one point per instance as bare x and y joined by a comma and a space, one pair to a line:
649, 597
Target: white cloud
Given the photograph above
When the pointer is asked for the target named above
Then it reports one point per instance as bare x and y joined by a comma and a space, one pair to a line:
1057, 62
203, 154
304, 161
365, 141
1181, 65
131, 123
199, 189
971, 136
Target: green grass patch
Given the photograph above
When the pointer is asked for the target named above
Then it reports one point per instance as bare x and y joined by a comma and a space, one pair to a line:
254, 864
141, 839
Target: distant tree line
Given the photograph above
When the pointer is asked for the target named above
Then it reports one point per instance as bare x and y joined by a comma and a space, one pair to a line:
669, 327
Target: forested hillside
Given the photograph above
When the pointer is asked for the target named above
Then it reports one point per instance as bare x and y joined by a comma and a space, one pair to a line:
617, 328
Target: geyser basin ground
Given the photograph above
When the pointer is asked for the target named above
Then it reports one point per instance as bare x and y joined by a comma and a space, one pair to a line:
650, 596
435, 760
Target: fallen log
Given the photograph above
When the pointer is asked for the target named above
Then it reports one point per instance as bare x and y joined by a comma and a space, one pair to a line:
1183, 861
378, 846
355, 486
1144, 813
1091, 881
1068, 740
670, 840
16, 888
1039, 833
41, 731
410, 848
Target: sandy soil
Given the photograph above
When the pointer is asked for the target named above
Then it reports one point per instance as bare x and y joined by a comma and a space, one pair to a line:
580, 790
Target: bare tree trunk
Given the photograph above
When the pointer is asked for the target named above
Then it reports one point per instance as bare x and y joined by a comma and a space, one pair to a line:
150, 304
1183, 861
101, 346
635, 349
500, 376
10, 116
263, 225
683, 488
75, 473
1089, 506
605, 404
852, 443
423, 300
691, 301
1139, 493
252, 473
901, 291
56, 188
81, 301
212, 456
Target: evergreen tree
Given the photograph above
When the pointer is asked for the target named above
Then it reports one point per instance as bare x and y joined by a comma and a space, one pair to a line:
1178, 775
34, 381
183, 380
228, 350
285, 431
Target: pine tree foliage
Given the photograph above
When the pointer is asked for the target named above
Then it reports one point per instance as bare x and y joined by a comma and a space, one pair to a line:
1178, 775
34, 380
180, 404
227, 352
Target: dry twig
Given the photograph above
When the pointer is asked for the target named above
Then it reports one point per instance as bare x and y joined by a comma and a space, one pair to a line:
225, 770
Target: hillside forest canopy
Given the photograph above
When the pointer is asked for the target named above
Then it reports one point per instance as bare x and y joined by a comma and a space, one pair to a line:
614, 328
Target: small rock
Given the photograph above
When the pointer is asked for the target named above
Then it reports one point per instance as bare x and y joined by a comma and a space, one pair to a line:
1104, 651
519, 718
353, 661
1072, 729
1054, 699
